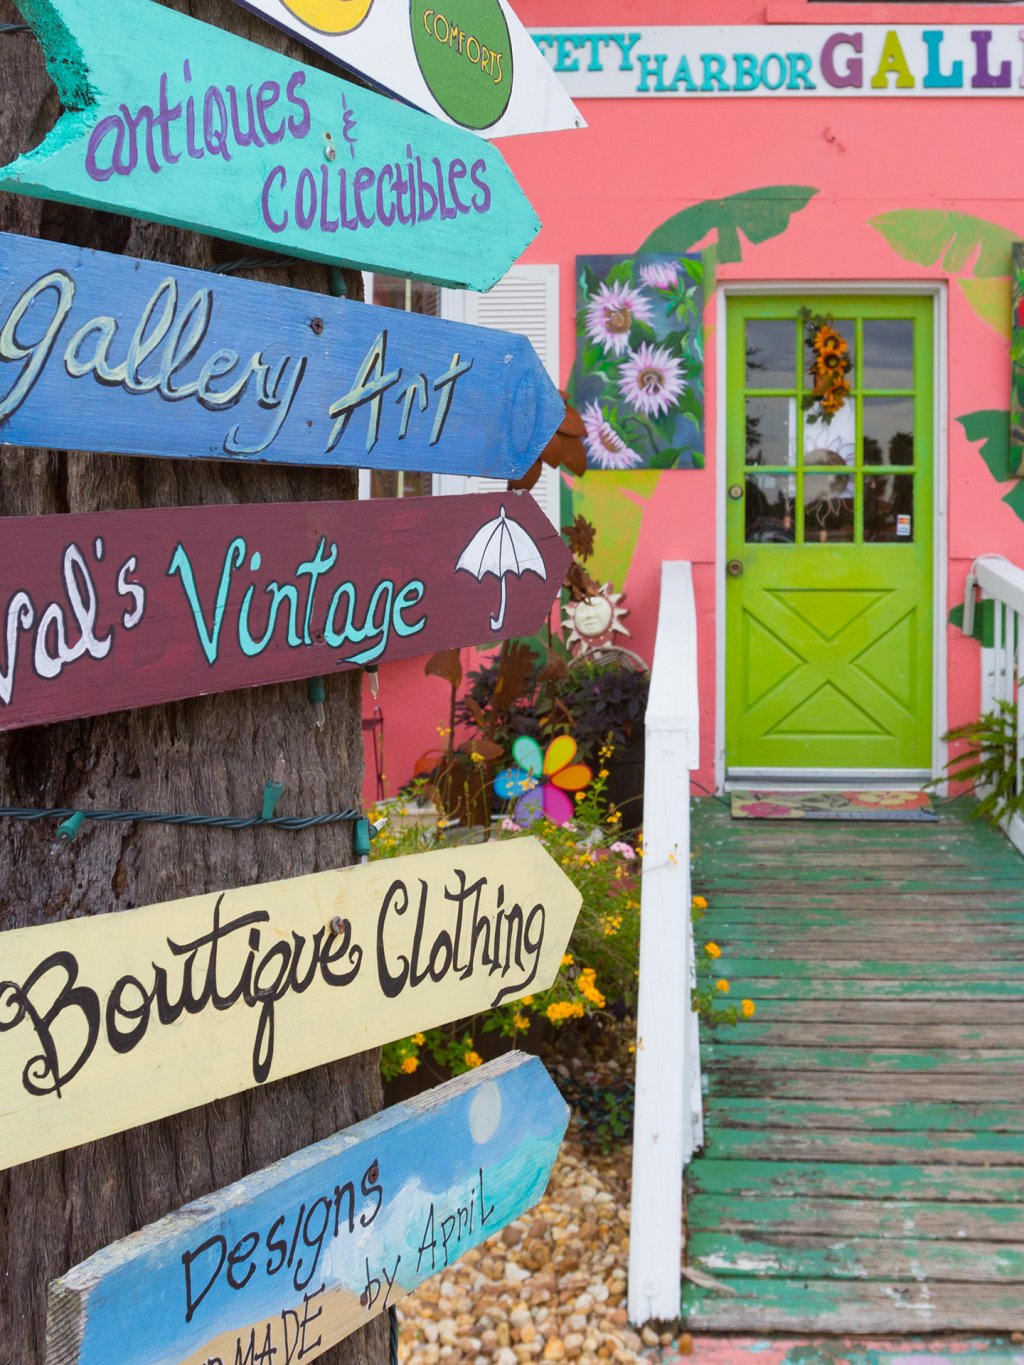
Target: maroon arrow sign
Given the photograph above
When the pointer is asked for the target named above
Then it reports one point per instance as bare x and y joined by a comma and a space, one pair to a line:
111, 610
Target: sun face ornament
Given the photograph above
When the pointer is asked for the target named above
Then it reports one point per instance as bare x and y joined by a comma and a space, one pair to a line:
593, 623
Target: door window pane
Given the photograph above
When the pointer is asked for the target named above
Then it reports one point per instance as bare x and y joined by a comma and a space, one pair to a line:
889, 353
771, 435
771, 354
769, 508
889, 508
888, 431
831, 443
828, 507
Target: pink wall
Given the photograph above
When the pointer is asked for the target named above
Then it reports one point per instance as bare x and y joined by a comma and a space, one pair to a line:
640, 161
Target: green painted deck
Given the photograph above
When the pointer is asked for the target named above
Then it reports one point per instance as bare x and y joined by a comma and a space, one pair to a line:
863, 1169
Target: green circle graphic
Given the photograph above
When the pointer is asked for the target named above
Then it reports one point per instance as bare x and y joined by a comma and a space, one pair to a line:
465, 53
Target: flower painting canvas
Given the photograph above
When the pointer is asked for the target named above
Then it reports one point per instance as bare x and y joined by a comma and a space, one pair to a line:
640, 361
1017, 358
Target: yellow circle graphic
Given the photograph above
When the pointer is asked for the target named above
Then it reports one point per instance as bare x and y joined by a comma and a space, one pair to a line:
330, 16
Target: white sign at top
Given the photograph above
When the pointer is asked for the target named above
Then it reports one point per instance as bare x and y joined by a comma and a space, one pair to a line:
469, 62
788, 60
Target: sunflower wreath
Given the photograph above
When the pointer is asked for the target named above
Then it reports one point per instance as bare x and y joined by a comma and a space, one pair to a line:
829, 365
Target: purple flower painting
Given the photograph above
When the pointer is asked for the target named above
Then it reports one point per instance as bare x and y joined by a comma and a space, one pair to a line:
640, 361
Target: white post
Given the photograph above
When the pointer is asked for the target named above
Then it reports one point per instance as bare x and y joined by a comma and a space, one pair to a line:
667, 1122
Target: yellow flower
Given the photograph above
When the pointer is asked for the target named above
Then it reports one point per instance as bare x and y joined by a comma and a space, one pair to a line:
526, 1000
698, 903
418, 1038
712, 950
409, 1064
477, 758
722, 986
521, 1022
564, 1009
603, 773
748, 1008
473, 1059
567, 959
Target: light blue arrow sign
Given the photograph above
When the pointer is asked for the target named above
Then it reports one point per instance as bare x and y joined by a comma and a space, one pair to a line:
176, 121
109, 353
282, 1265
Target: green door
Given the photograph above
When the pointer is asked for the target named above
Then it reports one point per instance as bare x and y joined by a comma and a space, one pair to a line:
829, 538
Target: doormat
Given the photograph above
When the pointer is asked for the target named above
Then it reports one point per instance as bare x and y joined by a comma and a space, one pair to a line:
866, 805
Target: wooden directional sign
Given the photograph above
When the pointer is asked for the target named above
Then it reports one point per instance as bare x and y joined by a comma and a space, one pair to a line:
115, 1020
109, 353
107, 611
176, 121
282, 1265
469, 62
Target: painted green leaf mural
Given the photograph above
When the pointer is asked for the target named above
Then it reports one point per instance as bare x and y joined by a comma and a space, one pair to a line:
974, 248
990, 428
925, 235
759, 214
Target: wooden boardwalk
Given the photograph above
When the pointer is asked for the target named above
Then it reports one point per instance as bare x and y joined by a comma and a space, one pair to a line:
864, 1160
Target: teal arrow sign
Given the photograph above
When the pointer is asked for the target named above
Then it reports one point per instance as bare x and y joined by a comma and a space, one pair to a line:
176, 121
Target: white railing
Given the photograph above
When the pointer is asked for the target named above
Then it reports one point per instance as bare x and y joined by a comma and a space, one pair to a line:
668, 1123
1002, 660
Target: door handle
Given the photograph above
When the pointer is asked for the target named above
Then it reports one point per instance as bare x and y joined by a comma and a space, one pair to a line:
734, 568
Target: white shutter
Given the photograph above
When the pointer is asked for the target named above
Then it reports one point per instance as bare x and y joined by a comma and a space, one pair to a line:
524, 301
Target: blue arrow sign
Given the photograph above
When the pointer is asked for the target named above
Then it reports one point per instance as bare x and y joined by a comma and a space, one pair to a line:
176, 121
287, 1262
109, 353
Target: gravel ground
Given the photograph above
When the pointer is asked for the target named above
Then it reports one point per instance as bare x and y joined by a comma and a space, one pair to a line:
551, 1286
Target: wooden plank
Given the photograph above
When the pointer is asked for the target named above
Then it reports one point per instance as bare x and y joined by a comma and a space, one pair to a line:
883, 1219
840, 1306
110, 610
993, 1086
869, 988
851, 969
373, 1212
849, 1180
952, 1148
851, 1117
797, 1256
906, 1037
138, 357
111, 1021
901, 1012
392, 189
728, 1058
423, 56
897, 950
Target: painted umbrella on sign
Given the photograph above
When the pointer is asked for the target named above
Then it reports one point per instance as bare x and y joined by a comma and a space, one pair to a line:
501, 547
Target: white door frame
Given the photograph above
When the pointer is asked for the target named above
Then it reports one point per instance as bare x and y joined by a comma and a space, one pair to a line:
938, 293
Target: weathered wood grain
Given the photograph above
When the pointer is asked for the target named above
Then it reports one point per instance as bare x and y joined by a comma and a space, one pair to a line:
854, 1180
369, 1214
421, 55
880, 1219
132, 356
112, 1021
951, 1148
113, 610
843, 1306
993, 1086
800, 1256
773, 1116
306, 164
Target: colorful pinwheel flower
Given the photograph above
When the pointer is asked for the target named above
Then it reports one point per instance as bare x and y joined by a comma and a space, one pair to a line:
539, 781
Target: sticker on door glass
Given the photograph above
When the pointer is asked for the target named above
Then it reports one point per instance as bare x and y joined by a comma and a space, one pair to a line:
903, 527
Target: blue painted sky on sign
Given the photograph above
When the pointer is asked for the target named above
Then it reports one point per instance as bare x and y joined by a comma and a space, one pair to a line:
511, 1127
